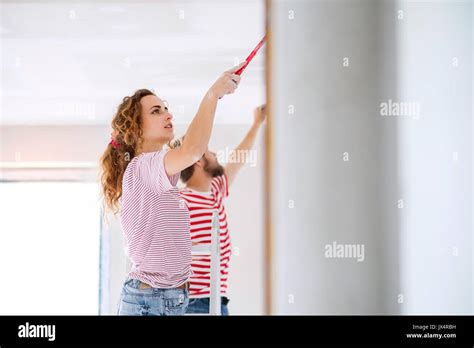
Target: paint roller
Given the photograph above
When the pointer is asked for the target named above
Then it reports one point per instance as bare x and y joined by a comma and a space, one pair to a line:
251, 55
177, 142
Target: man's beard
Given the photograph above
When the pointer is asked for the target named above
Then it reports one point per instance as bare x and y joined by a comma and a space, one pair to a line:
213, 171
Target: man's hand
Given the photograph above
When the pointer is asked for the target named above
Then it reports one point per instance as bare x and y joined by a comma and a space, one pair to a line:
259, 114
231, 169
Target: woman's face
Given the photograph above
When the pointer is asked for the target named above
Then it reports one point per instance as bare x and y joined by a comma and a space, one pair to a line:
156, 120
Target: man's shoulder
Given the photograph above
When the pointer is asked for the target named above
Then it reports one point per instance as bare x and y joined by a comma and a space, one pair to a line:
186, 191
183, 190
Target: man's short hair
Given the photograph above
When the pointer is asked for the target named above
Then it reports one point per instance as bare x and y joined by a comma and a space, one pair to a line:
187, 173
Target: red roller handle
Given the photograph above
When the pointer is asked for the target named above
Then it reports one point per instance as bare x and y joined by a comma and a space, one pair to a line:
251, 55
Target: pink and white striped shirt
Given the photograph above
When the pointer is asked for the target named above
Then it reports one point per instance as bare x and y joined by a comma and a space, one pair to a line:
155, 223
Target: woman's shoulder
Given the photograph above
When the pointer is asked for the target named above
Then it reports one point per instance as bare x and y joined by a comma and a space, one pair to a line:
131, 169
149, 169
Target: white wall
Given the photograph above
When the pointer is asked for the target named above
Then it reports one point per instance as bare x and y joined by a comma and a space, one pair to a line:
435, 164
88, 54
334, 200
319, 198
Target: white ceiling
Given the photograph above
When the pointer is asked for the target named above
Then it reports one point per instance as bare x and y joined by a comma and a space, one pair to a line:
72, 63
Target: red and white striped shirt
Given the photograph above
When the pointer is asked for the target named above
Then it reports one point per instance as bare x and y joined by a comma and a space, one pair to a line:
155, 223
201, 205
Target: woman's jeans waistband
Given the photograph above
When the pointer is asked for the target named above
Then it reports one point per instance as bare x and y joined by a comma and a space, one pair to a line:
152, 301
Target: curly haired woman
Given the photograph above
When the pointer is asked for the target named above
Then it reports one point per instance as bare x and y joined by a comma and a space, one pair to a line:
139, 180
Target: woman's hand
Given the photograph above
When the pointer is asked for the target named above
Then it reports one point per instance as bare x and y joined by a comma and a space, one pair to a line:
227, 83
194, 145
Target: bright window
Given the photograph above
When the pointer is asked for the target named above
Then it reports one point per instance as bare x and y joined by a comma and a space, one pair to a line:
49, 248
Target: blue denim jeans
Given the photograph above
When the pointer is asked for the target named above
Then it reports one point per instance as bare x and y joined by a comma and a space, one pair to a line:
201, 305
151, 301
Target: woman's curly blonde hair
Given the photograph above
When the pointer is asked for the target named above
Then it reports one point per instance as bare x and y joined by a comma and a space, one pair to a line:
127, 134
